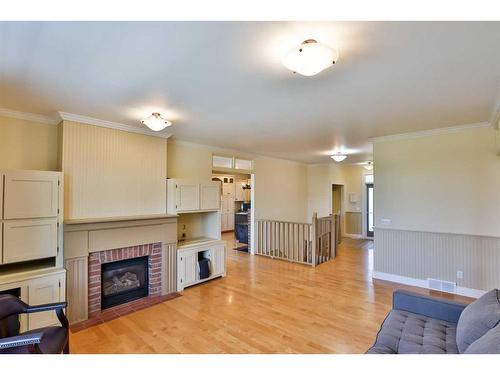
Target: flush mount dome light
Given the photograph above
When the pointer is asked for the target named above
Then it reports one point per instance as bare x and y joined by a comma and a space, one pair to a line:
338, 157
369, 166
156, 122
310, 58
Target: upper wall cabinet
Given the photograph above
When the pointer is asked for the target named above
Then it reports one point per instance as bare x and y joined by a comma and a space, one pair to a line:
189, 196
30, 194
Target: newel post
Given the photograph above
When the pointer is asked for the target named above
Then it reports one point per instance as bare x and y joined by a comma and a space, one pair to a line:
314, 231
333, 239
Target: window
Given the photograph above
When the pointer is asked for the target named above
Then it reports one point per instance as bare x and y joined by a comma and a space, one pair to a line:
243, 164
222, 161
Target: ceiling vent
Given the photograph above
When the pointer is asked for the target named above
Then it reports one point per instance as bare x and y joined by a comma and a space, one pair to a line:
441, 285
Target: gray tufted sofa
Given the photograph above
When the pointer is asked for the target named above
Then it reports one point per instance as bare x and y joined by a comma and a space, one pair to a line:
420, 324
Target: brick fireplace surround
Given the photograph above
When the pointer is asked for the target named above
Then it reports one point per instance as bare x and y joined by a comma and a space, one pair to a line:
153, 251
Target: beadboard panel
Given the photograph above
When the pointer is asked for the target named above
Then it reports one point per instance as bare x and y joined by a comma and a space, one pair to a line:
77, 288
423, 255
353, 223
110, 172
169, 274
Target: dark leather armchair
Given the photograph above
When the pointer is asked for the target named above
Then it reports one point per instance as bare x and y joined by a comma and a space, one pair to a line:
48, 340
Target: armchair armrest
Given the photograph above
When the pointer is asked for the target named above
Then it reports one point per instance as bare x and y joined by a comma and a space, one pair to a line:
58, 306
21, 340
47, 307
432, 307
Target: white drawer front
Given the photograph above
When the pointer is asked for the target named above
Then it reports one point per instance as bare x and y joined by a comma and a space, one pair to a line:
29, 239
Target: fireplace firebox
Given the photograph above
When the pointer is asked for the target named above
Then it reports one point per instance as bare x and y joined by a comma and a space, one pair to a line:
123, 281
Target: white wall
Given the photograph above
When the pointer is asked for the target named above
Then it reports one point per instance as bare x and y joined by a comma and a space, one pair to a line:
447, 183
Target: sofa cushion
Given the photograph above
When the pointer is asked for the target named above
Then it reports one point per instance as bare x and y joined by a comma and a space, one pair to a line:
406, 333
489, 343
477, 319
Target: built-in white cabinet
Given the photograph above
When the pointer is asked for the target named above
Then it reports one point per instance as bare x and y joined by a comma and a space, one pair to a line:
44, 290
189, 196
31, 194
187, 262
25, 240
209, 196
37, 288
31, 209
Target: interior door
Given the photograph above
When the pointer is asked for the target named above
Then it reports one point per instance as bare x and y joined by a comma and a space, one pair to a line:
30, 194
42, 291
369, 211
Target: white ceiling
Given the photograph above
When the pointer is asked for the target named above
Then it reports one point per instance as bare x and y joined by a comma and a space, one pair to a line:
222, 83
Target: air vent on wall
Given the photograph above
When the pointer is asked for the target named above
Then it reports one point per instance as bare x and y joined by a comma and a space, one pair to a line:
442, 286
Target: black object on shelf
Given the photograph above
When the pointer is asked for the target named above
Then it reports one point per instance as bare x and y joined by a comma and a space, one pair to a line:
203, 267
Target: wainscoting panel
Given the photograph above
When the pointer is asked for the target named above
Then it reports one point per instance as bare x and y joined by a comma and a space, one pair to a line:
353, 223
169, 281
111, 173
77, 288
422, 255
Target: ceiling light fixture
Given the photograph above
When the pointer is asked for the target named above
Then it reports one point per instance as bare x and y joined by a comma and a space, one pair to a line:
338, 157
310, 58
156, 122
369, 166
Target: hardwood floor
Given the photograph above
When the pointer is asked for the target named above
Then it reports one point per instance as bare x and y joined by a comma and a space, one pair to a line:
262, 306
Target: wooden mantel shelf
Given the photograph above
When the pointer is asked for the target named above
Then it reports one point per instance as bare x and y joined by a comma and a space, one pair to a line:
95, 220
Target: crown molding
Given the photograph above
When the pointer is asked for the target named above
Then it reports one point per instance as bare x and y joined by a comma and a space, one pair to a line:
4, 112
430, 132
111, 125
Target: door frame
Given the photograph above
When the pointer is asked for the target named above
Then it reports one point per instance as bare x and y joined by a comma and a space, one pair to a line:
369, 233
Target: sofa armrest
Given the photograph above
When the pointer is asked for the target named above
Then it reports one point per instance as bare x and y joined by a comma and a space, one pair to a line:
436, 308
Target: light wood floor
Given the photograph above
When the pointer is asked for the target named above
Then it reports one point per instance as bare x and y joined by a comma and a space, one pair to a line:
262, 306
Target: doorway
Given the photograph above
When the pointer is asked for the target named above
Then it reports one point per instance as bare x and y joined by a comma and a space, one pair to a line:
369, 210
337, 193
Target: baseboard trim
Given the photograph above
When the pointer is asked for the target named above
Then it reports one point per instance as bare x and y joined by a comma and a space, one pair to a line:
353, 236
461, 290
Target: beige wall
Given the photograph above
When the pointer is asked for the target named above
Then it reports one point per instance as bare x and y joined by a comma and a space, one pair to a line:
109, 172
280, 185
27, 145
443, 183
320, 178
442, 194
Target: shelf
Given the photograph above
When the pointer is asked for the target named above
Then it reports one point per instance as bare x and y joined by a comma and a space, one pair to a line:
196, 242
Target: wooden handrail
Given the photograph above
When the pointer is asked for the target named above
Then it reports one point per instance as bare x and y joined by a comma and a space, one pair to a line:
306, 243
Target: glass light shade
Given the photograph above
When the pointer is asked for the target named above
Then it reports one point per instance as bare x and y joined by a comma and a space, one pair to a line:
310, 58
369, 166
156, 122
338, 157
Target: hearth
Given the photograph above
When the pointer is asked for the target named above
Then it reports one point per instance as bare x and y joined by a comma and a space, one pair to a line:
124, 280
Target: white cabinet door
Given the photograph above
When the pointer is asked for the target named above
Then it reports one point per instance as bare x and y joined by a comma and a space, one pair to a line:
210, 196
41, 291
187, 267
188, 196
218, 259
31, 194
228, 189
29, 239
240, 193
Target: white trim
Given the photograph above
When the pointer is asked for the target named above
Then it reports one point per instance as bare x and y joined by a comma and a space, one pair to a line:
4, 112
111, 125
461, 290
430, 132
